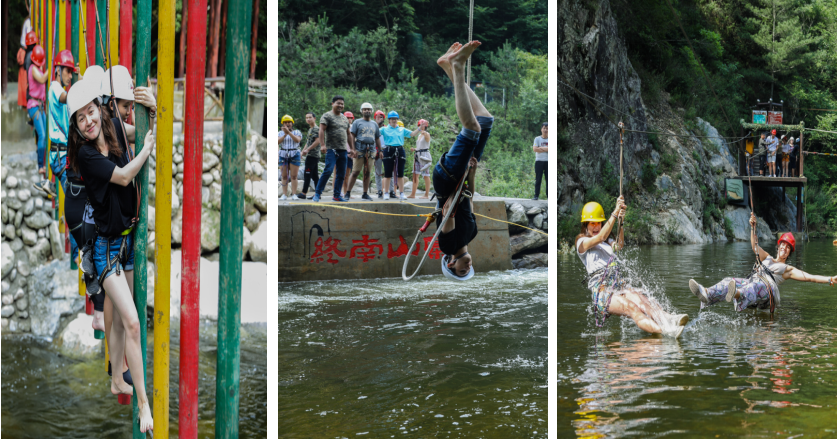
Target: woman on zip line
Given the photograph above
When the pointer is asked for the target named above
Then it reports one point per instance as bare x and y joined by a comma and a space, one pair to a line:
612, 293
99, 153
761, 289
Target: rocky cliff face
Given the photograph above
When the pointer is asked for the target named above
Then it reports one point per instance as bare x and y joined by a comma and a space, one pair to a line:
685, 202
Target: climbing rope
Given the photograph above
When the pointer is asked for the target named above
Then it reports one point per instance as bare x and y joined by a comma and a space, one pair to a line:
470, 38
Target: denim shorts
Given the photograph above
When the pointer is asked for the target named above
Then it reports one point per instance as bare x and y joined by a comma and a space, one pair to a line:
295, 159
101, 257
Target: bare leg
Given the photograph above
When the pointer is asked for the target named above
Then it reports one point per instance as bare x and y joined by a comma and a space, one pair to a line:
621, 306
415, 185
458, 61
118, 289
283, 174
444, 63
352, 179
294, 173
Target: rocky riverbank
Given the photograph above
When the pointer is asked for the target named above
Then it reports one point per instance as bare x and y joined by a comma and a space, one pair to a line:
39, 291
528, 248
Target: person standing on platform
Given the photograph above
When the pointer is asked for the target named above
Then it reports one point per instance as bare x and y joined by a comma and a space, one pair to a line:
541, 149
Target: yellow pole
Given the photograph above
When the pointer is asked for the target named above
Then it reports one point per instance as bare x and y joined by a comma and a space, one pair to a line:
62, 25
82, 40
113, 26
46, 43
82, 289
162, 249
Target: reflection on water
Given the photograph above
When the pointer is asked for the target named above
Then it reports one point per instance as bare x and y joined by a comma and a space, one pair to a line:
428, 357
48, 395
731, 374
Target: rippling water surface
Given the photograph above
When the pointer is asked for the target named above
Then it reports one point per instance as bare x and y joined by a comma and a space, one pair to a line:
730, 375
48, 395
426, 358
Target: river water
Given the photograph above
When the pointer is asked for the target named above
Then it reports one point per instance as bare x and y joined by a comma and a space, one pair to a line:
729, 375
428, 358
46, 394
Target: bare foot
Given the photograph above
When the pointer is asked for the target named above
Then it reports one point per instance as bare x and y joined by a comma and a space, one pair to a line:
426, 196
145, 421
460, 57
98, 320
120, 387
443, 61
411, 196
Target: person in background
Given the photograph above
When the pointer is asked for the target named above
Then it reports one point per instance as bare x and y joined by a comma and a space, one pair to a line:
380, 119
762, 153
772, 148
541, 149
311, 154
37, 79
26, 40
394, 155
794, 156
366, 137
787, 145
422, 159
349, 159
334, 132
289, 157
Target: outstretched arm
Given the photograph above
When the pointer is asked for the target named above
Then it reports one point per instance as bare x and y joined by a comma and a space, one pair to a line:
754, 239
797, 274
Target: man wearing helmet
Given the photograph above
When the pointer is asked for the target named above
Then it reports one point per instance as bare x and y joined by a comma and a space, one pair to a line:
761, 289
380, 119
367, 140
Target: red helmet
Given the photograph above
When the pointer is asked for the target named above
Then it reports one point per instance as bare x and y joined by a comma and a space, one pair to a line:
65, 59
349, 115
421, 121
773, 132
788, 237
379, 112
31, 38
38, 56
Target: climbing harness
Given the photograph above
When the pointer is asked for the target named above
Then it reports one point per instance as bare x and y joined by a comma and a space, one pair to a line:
608, 283
120, 257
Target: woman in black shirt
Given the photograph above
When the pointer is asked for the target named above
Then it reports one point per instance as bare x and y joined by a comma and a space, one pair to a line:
100, 155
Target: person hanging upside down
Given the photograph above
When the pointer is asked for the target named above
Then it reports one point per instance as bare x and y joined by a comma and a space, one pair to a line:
100, 154
761, 289
464, 155
612, 294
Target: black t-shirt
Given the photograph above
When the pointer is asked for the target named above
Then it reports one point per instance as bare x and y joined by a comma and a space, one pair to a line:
114, 206
464, 232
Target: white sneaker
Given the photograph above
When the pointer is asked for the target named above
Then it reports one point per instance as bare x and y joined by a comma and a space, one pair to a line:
403, 197
699, 291
283, 198
386, 196
674, 332
294, 197
731, 291
680, 319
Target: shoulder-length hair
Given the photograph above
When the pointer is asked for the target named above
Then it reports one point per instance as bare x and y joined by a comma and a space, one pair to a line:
75, 141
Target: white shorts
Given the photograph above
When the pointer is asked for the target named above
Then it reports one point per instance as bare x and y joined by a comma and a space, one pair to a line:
771, 158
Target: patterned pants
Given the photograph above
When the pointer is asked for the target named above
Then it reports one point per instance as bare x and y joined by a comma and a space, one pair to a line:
754, 293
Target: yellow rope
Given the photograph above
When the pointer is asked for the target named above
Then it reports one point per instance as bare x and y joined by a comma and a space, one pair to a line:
412, 216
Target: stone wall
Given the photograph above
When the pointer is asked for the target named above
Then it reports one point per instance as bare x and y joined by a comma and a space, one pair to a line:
528, 248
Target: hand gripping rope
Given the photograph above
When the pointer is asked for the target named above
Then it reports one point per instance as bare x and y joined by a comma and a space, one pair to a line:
430, 219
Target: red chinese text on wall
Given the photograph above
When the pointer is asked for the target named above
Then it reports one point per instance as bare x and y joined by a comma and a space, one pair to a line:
365, 249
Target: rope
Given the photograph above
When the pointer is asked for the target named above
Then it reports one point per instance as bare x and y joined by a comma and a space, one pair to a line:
470, 37
819, 153
364, 211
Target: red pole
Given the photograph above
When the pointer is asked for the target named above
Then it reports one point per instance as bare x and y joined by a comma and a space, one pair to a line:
191, 247
126, 15
68, 11
90, 31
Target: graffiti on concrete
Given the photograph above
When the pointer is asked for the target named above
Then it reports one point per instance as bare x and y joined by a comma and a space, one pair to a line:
307, 222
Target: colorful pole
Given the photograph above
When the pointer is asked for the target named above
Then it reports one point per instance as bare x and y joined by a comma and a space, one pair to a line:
191, 248
62, 24
141, 233
162, 248
100, 25
126, 12
90, 30
113, 22
68, 18
232, 216
75, 29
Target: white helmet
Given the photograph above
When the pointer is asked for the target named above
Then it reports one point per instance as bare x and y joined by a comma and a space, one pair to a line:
81, 94
450, 274
366, 105
95, 74
123, 85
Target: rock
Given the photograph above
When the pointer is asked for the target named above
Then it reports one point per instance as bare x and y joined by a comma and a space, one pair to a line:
177, 158
258, 169
56, 241
24, 315
150, 247
206, 194
41, 233
535, 260
246, 242
53, 294
260, 195
24, 195
8, 258
211, 230
38, 221
517, 215
12, 202
248, 189
19, 294
9, 231
29, 236
39, 203
252, 221
12, 194
526, 241
4, 323
664, 183
178, 177
22, 304
180, 168
535, 210
8, 299
209, 161
18, 220
6, 287
13, 275
17, 244
258, 248
537, 221
11, 182
215, 195
177, 228
4, 213
248, 168
740, 219
175, 202
206, 179
7, 310
39, 252
216, 175
77, 339
29, 207
217, 149
152, 218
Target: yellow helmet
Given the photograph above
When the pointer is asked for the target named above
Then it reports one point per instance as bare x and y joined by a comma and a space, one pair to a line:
592, 211
401, 124
287, 118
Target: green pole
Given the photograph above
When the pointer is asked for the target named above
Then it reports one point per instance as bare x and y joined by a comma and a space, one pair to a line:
232, 218
141, 233
75, 36
102, 18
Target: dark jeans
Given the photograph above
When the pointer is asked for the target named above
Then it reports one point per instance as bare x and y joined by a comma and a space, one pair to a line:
455, 161
39, 122
540, 170
312, 172
338, 159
